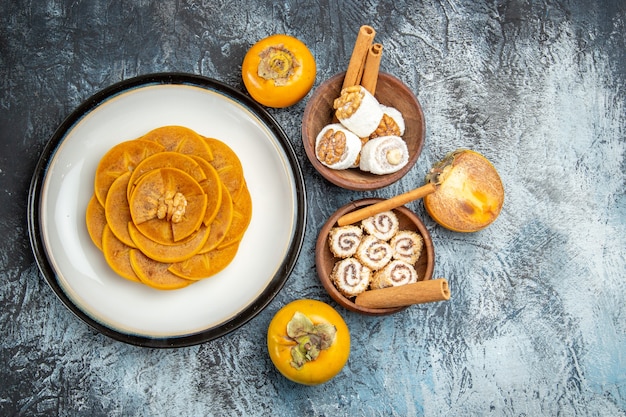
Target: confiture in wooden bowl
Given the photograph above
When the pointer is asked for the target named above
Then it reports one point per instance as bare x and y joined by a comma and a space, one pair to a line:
329, 265
390, 92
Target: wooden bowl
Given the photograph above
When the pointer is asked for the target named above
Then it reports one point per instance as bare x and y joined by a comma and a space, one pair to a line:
325, 260
389, 91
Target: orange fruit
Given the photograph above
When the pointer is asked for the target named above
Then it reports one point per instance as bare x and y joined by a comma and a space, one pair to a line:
96, 221
212, 186
180, 139
155, 274
117, 255
153, 191
221, 223
122, 158
469, 194
242, 214
116, 209
169, 253
205, 265
227, 164
166, 160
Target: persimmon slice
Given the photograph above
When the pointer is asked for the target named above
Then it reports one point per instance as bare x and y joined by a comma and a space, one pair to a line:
221, 223
116, 209
242, 214
96, 221
159, 190
167, 159
227, 164
180, 139
212, 186
155, 274
205, 265
121, 158
116, 254
169, 253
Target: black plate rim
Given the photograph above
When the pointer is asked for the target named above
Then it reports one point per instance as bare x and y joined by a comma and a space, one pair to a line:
39, 176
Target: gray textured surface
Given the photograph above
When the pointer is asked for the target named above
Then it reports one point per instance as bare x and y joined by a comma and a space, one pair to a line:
537, 321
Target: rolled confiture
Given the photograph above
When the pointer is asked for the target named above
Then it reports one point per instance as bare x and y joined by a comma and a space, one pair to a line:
336, 147
407, 246
351, 277
394, 274
358, 110
382, 225
374, 253
391, 124
397, 117
384, 155
344, 241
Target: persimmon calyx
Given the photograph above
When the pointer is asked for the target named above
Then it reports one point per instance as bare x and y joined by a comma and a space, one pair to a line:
311, 338
440, 170
278, 64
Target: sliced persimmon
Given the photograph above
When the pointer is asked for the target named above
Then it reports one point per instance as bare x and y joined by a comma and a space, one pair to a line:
180, 139
155, 274
221, 223
121, 158
242, 214
116, 254
157, 230
96, 220
205, 265
212, 186
116, 209
227, 164
160, 189
169, 207
194, 215
169, 253
167, 160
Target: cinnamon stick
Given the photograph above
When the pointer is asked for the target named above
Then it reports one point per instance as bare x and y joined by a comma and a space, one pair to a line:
372, 67
405, 295
389, 204
359, 54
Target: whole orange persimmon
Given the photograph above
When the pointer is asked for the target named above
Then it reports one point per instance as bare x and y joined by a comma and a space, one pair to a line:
308, 341
278, 71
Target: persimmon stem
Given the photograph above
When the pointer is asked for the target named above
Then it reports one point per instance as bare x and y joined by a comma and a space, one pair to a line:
311, 339
278, 64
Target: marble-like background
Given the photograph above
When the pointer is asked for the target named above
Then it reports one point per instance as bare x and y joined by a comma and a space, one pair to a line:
537, 322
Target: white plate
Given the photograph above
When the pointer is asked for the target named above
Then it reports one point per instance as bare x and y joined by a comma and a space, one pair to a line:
134, 313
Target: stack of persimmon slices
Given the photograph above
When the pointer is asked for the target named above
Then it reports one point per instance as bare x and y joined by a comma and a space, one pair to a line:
169, 208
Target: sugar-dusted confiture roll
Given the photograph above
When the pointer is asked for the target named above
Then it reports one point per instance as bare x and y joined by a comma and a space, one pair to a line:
351, 277
391, 124
336, 147
394, 274
358, 110
397, 117
344, 241
373, 252
407, 246
382, 225
384, 155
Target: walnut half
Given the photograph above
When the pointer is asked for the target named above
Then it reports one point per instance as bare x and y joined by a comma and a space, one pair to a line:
331, 147
348, 102
171, 207
387, 127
